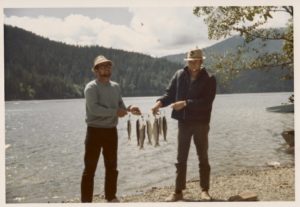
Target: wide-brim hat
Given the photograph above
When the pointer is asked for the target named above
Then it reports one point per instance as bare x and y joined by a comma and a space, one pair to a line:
99, 60
194, 54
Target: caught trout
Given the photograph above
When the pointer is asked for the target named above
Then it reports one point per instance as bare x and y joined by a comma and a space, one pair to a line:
156, 132
164, 127
142, 134
138, 131
160, 124
149, 131
129, 128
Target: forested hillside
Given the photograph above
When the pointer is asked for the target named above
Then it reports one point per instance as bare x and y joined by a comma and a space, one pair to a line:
37, 68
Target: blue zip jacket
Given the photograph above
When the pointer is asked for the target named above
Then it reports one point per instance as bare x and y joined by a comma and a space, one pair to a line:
199, 95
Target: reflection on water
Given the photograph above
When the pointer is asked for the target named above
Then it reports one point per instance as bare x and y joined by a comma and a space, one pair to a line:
45, 159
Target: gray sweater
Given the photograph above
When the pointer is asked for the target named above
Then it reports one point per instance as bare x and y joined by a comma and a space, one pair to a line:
102, 102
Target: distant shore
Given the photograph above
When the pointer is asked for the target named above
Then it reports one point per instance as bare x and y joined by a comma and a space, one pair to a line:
268, 183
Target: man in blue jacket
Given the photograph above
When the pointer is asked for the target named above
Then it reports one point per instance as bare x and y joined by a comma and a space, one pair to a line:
104, 105
191, 93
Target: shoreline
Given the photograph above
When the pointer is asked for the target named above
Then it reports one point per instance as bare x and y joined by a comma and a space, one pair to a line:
270, 183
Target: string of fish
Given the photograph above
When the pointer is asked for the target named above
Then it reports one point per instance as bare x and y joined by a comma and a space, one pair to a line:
152, 126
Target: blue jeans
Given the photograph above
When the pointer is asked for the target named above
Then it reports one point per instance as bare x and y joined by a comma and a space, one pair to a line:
199, 132
98, 139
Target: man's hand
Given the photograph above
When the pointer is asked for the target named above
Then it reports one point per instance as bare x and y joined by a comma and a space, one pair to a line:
121, 112
156, 107
135, 110
178, 105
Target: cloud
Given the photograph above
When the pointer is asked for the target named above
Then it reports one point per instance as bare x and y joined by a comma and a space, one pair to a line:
82, 30
280, 19
153, 31
156, 31
172, 27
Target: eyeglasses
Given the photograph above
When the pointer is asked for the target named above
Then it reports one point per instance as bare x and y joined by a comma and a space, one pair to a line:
193, 62
104, 66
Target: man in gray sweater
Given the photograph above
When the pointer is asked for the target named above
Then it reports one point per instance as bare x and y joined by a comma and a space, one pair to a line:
104, 105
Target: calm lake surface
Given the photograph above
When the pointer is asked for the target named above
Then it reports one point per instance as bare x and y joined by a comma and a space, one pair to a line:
45, 159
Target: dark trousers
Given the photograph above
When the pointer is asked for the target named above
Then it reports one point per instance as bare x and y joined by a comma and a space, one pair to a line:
199, 132
98, 139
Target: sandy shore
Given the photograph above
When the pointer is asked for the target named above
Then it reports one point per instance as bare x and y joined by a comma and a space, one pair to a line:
269, 184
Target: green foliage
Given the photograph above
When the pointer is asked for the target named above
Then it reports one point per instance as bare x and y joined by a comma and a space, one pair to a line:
37, 68
247, 21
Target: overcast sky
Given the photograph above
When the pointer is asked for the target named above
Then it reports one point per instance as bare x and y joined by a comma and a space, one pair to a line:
156, 31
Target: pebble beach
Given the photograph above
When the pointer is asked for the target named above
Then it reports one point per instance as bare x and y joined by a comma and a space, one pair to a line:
267, 183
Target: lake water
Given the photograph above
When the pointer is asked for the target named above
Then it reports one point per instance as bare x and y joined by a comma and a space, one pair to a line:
45, 159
